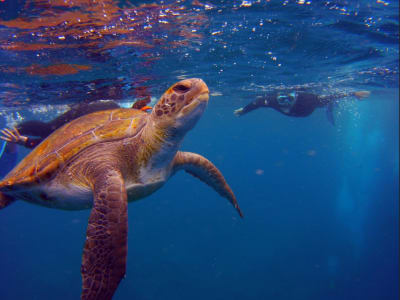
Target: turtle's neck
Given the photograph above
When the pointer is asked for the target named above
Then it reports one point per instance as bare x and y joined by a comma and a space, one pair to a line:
159, 144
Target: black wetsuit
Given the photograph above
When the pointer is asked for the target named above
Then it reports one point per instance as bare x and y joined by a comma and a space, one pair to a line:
299, 104
43, 129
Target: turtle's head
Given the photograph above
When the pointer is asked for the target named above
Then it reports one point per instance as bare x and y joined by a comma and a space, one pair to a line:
181, 106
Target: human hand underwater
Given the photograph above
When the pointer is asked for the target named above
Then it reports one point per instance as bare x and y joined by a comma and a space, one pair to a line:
362, 94
13, 136
238, 112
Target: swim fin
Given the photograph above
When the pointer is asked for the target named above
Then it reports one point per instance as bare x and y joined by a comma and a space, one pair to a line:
329, 112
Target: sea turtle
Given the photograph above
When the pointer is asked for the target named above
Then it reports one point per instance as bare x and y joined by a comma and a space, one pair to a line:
105, 159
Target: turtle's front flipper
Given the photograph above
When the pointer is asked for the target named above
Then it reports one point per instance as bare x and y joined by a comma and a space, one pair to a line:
104, 255
202, 168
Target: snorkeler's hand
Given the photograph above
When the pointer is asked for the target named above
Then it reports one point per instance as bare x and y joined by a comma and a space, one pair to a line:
13, 136
238, 112
362, 94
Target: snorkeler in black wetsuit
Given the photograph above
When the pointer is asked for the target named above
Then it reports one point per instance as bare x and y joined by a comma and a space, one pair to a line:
42, 129
298, 104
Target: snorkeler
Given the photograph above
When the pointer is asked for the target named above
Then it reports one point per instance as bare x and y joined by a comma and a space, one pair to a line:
299, 104
41, 130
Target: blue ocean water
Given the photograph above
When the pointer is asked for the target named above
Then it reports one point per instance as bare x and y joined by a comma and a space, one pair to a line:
320, 201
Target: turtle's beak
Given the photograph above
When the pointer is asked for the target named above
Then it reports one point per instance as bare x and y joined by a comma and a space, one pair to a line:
204, 92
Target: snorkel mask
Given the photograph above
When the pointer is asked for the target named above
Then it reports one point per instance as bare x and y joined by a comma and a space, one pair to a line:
286, 100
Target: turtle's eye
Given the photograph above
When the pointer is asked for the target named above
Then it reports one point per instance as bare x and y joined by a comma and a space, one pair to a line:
180, 88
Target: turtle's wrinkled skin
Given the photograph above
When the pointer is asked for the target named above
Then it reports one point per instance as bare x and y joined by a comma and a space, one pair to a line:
105, 159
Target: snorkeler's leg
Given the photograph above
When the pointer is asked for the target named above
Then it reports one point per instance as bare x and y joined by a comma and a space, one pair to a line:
360, 95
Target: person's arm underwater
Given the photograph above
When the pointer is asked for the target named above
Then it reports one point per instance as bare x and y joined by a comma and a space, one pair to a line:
360, 95
32, 143
259, 102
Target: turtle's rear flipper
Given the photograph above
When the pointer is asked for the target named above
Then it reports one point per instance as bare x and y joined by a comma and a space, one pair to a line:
202, 168
104, 255
5, 200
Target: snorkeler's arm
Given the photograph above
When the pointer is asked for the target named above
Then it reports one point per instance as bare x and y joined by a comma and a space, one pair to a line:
259, 102
330, 98
32, 143
34, 128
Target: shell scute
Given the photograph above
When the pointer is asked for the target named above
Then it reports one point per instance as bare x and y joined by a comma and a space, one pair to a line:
113, 128
75, 145
48, 162
70, 139
125, 114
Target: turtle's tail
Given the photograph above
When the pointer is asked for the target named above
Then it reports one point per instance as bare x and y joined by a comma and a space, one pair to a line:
5, 200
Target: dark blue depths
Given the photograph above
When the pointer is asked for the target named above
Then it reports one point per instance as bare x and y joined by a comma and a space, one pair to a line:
320, 202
